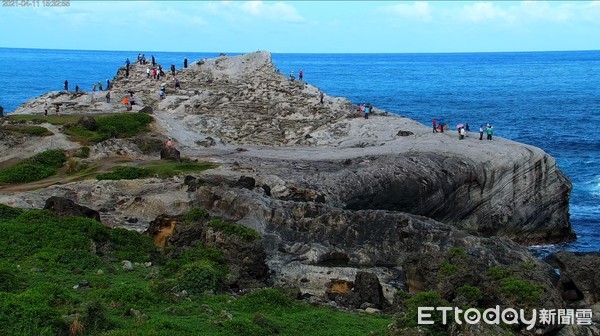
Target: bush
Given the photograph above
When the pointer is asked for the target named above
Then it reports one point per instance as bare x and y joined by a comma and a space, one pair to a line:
125, 173
234, 229
447, 269
51, 158
130, 295
25, 173
498, 273
471, 293
199, 277
409, 318
195, 215
94, 317
521, 291
131, 245
123, 125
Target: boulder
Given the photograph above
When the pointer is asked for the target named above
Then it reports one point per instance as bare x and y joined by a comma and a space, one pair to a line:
147, 109
246, 182
87, 122
65, 207
579, 276
170, 154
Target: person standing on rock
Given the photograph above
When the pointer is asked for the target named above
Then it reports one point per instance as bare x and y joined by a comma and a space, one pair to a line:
126, 103
147, 72
435, 125
66, 85
185, 63
481, 132
176, 84
107, 84
169, 143
490, 132
301, 74
127, 62
108, 97
99, 86
367, 110
58, 110
173, 69
76, 88
153, 61
46, 109
292, 76
321, 96
94, 88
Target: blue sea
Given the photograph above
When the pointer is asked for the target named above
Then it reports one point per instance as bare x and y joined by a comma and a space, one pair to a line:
547, 99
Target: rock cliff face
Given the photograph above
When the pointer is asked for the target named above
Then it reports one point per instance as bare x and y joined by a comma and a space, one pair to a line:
387, 162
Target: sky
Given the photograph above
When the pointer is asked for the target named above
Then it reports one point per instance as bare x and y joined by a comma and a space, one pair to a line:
303, 26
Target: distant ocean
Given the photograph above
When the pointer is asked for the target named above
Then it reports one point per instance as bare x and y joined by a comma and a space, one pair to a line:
547, 99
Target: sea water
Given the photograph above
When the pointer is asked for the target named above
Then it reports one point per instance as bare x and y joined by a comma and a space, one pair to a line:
547, 99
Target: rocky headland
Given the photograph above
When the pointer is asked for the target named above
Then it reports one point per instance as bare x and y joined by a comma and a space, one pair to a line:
332, 195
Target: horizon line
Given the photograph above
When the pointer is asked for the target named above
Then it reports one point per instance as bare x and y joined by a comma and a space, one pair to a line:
311, 53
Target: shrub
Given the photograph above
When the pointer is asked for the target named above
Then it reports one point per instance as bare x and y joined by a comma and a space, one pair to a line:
51, 158
123, 125
471, 293
199, 276
521, 291
131, 245
127, 294
125, 173
84, 152
458, 252
10, 280
234, 229
447, 269
25, 173
409, 318
94, 316
195, 215
498, 273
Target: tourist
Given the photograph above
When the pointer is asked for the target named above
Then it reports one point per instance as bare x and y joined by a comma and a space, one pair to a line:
173, 69
481, 132
161, 94
185, 63
144, 59
108, 97
46, 109
169, 143
461, 132
153, 61
107, 84
139, 58
58, 110
76, 88
467, 127
301, 74
126, 103
127, 72
127, 62
94, 88
154, 73
434, 125
292, 76
131, 99
367, 110
147, 72
99, 86
490, 132
321, 96
66, 85
177, 84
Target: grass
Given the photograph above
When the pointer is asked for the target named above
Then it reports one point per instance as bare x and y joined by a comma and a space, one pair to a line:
28, 130
44, 259
123, 125
37, 167
161, 168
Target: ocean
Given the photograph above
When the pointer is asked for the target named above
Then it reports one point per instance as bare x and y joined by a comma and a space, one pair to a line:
547, 99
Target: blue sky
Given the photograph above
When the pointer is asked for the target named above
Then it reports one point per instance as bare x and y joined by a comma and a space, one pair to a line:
305, 26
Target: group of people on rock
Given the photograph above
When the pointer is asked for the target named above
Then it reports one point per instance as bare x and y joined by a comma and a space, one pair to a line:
463, 130
300, 75
364, 109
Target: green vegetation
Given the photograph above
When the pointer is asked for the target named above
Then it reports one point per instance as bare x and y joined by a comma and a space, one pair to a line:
39, 166
520, 291
163, 169
458, 252
234, 229
28, 130
409, 317
498, 273
52, 119
110, 126
447, 268
471, 293
63, 275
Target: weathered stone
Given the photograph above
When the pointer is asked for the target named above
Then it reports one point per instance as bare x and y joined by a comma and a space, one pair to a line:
246, 182
147, 109
207, 142
579, 275
65, 207
127, 265
170, 154
404, 133
88, 122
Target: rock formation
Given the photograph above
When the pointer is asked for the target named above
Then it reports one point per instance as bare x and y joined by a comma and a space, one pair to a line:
332, 195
